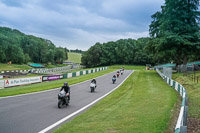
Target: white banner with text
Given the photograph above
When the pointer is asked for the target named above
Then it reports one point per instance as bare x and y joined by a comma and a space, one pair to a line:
22, 81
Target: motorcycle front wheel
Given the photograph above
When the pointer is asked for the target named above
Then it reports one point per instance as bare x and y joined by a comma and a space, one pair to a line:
60, 103
92, 89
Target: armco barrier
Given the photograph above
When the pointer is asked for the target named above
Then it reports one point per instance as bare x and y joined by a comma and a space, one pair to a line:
44, 70
181, 125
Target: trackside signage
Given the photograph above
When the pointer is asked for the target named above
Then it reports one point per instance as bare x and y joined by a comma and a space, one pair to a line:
1, 84
52, 77
22, 81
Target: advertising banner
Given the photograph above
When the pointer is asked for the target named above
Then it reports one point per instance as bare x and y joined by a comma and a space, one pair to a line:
22, 81
1, 84
52, 77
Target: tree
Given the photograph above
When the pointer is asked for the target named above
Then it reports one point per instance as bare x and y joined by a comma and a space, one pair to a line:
60, 55
92, 57
177, 28
20, 48
123, 51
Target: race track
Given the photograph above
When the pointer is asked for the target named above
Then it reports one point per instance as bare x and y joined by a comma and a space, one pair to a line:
35, 112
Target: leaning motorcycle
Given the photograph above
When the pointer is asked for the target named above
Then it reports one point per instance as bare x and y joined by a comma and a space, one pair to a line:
122, 72
113, 80
62, 99
118, 75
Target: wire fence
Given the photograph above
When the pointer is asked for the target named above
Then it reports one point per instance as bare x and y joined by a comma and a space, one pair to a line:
192, 71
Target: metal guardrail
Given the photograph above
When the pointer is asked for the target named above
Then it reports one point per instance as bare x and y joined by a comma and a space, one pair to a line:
181, 125
39, 70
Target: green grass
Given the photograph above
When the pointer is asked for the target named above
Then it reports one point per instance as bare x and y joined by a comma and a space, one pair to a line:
128, 67
49, 85
53, 66
143, 104
9, 67
74, 57
193, 90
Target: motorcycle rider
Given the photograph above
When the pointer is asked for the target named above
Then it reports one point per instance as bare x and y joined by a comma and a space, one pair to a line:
114, 78
66, 89
94, 81
118, 73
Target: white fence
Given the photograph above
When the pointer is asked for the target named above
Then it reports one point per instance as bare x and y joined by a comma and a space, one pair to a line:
181, 125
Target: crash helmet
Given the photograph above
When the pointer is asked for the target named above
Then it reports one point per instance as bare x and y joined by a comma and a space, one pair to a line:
65, 84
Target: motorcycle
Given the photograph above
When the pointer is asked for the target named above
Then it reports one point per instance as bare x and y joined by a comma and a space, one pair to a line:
92, 87
113, 80
122, 72
118, 75
62, 99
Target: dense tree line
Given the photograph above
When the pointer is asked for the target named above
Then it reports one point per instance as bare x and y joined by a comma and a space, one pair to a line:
20, 48
175, 32
76, 51
174, 37
123, 51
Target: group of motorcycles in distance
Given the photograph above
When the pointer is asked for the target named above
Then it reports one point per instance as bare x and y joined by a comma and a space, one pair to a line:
63, 99
121, 71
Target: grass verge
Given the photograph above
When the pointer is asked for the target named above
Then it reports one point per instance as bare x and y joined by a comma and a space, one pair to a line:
74, 57
9, 67
143, 104
54, 66
128, 67
193, 91
49, 85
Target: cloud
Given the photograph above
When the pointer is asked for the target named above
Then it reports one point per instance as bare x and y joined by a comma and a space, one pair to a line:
83, 39
79, 23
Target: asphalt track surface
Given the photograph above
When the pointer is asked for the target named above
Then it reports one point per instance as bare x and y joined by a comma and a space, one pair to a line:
35, 112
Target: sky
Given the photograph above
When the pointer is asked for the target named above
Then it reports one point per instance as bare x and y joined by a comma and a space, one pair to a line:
79, 24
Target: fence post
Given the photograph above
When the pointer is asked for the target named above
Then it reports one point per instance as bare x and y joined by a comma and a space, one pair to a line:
183, 129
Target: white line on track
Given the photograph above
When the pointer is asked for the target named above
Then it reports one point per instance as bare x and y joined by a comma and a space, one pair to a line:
83, 108
48, 90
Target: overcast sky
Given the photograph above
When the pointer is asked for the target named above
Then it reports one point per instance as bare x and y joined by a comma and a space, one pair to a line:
79, 24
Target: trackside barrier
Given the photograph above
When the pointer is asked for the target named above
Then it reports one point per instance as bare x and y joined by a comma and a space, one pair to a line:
79, 73
2, 84
43, 70
30, 80
21, 81
181, 125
